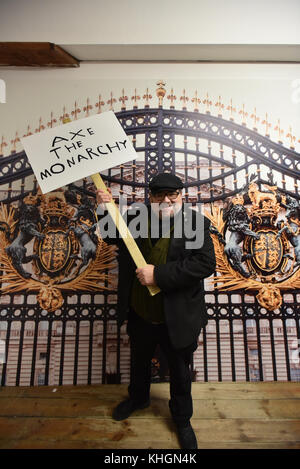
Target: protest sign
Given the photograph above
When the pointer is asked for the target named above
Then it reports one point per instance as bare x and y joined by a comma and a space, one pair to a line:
82, 148
77, 149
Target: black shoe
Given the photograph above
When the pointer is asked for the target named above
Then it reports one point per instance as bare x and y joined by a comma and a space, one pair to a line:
125, 409
187, 437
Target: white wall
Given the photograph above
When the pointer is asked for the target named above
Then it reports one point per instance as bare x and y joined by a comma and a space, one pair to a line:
33, 93
151, 21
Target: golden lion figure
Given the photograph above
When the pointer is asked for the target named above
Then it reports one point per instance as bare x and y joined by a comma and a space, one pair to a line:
257, 197
50, 298
269, 297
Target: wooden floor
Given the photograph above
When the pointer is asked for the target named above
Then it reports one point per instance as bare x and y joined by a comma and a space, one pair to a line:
226, 415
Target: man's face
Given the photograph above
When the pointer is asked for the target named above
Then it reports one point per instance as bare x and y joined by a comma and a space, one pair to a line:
166, 203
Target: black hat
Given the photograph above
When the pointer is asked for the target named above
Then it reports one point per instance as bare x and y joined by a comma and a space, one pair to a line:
165, 181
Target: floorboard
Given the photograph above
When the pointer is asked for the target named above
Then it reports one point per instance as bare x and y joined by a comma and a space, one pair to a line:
263, 415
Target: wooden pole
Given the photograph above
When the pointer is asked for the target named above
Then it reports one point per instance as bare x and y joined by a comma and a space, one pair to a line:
124, 231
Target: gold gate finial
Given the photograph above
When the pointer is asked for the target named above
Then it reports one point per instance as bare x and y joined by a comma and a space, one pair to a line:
111, 101
267, 124
255, 117
65, 117
244, 115
14, 142
52, 121
291, 137
280, 131
41, 126
99, 104
208, 103
185, 99
75, 111
231, 109
147, 96
172, 98
135, 98
87, 107
196, 101
161, 91
2, 145
28, 132
122, 99
220, 106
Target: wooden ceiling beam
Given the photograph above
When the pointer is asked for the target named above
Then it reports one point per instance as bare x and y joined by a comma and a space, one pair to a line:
35, 54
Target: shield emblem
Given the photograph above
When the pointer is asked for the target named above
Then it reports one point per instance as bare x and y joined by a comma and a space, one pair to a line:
54, 250
267, 251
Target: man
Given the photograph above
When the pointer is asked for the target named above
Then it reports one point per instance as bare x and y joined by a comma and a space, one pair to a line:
173, 318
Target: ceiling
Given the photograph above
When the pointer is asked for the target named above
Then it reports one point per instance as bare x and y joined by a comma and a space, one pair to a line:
46, 54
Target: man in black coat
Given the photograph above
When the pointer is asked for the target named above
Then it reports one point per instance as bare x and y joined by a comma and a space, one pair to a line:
177, 262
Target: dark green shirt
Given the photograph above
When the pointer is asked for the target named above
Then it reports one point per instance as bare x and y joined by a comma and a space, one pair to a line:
150, 307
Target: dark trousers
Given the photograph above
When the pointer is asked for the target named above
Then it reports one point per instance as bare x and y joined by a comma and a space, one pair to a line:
144, 337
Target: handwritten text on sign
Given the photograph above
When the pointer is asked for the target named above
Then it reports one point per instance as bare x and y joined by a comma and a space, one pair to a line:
69, 152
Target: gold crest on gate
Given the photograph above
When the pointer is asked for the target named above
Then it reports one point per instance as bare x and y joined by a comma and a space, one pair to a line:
54, 251
267, 252
50, 244
257, 243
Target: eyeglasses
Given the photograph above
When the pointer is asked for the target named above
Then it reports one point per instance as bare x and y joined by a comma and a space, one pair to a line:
172, 195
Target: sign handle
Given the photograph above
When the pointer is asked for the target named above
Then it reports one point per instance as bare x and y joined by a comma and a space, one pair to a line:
124, 231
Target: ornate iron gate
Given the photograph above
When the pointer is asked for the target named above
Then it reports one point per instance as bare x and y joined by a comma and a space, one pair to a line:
79, 342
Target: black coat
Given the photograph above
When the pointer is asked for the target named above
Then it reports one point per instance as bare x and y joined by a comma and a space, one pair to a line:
180, 279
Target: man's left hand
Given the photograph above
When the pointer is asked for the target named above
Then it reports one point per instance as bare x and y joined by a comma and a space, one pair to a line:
146, 275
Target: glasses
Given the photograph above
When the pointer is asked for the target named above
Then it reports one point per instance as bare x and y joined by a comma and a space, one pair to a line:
172, 195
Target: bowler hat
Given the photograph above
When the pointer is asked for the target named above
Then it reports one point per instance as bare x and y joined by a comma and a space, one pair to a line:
165, 181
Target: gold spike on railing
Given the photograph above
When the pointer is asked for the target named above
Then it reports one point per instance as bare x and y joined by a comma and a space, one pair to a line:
52, 121
64, 117
279, 130
196, 101
267, 124
172, 98
220, 106
41, 126
231, 109
135, 98
147, 96
244, 114
160, 92
291, 137
28, 132
87, 108
208, 103
75, 111
185, 99
122, 99
99, 104
14, 143
111, 101
255, 118
2, 145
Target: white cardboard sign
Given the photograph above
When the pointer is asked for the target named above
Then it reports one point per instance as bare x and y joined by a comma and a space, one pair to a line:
72, 151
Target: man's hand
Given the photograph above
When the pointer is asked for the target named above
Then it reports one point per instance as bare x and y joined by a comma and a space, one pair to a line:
146, 275
103, 197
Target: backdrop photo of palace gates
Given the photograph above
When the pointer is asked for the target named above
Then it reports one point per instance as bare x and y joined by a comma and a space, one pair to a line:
218, 155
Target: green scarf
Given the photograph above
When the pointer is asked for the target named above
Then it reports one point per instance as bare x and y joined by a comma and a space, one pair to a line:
150, 307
